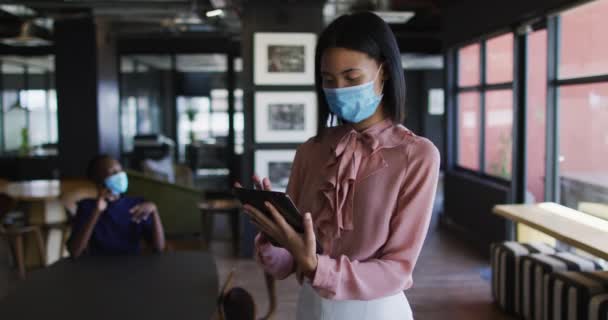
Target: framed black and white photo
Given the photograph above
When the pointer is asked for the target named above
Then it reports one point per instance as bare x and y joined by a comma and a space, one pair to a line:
285, 117
284, 58
276, 165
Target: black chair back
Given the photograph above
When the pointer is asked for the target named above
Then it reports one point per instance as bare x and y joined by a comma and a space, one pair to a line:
235, 303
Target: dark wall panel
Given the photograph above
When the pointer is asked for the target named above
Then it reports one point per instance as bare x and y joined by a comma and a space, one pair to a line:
87, 93
433, 124
267, 16
413, 103
168, 104
76, 83
468, 205
418, 84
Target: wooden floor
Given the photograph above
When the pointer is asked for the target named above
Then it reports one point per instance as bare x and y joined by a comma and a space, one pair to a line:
447, 281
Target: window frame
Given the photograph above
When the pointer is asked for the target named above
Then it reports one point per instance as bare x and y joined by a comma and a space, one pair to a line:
518, 181
552, 192
482, 88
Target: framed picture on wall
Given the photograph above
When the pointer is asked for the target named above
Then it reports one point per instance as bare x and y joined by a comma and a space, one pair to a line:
276, 165
288, 117
284, 58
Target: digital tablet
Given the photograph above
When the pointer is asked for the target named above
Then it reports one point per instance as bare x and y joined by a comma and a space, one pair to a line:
279, 200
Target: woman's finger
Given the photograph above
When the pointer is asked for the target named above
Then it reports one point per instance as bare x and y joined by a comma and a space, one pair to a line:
260, 217
138, 214
309, 234
260, 227
238, 184
257, 182
254, 218
267, 185
268, 233
278, 218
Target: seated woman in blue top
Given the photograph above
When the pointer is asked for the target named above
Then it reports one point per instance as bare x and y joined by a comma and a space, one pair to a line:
113, 224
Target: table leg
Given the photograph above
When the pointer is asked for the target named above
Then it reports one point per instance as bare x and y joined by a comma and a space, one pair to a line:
272, 296
204, 244
206, 228
235, 226
64, 241
19, 255
40, 244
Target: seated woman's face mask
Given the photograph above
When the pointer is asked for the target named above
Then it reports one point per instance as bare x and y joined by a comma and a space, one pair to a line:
354, 104
117, 183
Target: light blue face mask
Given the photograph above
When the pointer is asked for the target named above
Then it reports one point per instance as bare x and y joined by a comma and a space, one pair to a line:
354, 104
117, 183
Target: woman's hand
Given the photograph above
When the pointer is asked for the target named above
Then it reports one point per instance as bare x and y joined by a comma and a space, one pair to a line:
259, 184
142, 211
102, 202
301, 247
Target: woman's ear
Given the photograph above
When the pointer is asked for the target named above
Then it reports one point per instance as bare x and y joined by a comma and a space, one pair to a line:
385, 74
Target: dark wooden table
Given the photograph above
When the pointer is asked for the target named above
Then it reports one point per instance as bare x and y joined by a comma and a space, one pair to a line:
209, 208
178, 285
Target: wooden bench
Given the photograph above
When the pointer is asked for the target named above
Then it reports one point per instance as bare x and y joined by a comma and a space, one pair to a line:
575, 228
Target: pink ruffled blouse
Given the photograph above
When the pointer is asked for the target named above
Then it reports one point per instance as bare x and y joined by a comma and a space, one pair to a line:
371, 195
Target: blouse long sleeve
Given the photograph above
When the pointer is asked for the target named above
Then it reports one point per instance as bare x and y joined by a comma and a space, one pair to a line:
276, 261
391, 271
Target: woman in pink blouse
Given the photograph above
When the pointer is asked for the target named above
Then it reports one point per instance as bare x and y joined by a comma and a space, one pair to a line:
367, 185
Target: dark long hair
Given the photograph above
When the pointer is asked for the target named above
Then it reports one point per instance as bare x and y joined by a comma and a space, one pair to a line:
93, 168
364, 32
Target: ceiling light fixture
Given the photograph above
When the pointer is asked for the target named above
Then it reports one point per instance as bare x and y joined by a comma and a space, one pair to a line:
395, 17
18, 10
27, 37
215, 13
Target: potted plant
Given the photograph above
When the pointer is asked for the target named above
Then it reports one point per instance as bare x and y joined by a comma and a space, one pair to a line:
191, 114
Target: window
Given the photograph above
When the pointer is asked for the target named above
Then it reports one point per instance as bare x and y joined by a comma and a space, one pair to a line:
219, 105
40, 115
468, 130
468, 66
566, 108
583, 144
193, 121
536, 116
28, 119
485, 107
499, 59
128, 122
583, 48
582, 109
143, 95
498, 133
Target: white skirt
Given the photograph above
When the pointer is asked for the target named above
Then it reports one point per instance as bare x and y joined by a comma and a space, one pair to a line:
311, 306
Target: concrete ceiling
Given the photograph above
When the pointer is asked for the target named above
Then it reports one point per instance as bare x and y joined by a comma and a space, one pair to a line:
149, 18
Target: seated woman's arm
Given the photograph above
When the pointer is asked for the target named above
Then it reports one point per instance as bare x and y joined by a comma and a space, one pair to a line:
147, 212
159, 232
83, 226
